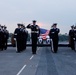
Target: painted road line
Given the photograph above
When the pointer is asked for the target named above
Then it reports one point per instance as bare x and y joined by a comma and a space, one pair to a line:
21, 70
31, 57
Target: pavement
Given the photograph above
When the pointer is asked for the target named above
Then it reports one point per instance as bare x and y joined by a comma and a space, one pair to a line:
43, 63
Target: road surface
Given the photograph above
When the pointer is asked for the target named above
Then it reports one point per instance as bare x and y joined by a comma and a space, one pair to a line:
43, 63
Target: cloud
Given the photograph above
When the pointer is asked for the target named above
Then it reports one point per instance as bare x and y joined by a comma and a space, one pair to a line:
46, 12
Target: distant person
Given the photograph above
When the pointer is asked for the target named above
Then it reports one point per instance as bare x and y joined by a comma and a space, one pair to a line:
54, 36
6, 36
35, 32
25, 37
24, 34
21, 37
75, 33
17, 35
71, 37
1, 37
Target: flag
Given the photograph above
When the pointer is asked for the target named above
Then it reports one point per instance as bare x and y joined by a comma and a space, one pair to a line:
44, 33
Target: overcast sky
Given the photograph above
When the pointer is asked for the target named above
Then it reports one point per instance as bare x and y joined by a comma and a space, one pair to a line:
46, 12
